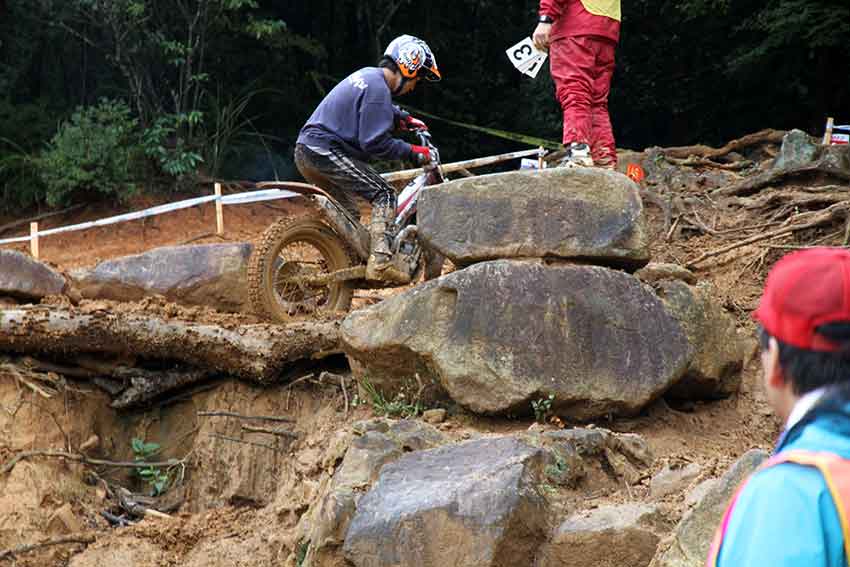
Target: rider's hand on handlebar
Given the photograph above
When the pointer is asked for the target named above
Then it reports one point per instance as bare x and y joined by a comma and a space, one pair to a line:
412, 124
421, 155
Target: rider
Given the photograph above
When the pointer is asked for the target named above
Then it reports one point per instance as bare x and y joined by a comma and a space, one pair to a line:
353, 124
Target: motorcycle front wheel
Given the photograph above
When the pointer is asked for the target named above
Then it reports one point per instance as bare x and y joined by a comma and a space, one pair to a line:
289, 253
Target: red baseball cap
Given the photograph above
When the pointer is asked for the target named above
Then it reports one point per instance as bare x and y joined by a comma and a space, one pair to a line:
804, 290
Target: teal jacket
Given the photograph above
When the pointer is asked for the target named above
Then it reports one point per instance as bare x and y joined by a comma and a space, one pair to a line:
785, 515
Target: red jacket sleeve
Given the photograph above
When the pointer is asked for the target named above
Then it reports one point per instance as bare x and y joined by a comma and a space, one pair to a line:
552, 8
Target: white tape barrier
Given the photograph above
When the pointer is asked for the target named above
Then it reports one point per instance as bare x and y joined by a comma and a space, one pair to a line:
237, 199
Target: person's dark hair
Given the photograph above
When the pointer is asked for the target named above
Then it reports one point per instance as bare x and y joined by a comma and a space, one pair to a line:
809, 370
387, 62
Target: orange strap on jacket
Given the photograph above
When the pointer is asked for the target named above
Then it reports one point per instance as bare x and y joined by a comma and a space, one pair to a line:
836, 474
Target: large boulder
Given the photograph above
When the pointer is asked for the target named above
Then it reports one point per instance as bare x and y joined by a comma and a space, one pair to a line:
23, 277
610, 536
694, 533
469, 505
588, 214
498, 335
206, 274
716, 351
374, 445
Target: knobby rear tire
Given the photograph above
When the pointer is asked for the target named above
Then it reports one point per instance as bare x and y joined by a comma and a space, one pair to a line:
265, 261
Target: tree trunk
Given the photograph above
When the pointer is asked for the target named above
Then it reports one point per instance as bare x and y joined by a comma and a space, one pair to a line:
257, 353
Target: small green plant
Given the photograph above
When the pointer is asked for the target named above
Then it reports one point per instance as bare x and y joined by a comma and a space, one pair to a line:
398, 407
542, 408
301, 553
156, 478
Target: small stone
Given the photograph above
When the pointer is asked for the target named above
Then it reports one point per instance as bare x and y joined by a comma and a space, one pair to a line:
434, 415
670, 480
63, 521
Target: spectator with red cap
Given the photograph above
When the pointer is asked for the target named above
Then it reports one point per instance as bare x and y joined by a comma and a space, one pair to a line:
582, 37
795, 510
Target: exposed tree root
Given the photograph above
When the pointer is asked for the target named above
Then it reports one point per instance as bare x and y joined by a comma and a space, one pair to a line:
755, 183
762, 137
815, 218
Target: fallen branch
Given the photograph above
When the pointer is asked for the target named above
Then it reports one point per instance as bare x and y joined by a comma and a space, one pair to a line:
253, 352
817, 218
695, 161
823, 195
62, 540
10, 464
242, 441
762, 137
278, 432
248, 417
147, 385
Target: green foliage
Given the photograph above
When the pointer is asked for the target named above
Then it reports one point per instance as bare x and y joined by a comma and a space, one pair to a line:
301, 553
398, 407
94, 151
171, 152
156, 478
542, 408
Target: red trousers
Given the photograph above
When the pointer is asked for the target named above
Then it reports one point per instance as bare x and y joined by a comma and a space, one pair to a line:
582, 67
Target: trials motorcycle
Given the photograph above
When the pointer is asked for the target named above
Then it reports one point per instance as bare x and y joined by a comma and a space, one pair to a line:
313, 263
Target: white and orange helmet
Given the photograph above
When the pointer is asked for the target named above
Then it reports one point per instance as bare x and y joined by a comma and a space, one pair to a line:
414, 58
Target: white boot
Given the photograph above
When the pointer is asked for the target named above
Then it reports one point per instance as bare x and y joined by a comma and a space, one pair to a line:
578, 155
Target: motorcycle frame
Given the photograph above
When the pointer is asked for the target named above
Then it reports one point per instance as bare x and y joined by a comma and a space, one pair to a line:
351, 230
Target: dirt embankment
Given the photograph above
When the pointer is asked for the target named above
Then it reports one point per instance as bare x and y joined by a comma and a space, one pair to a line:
238, 495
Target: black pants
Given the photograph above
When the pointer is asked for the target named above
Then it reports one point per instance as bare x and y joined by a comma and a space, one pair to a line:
344, 177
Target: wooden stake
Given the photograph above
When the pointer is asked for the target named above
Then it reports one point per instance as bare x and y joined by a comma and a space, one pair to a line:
219, 211
34, 239
540, 157
827, 136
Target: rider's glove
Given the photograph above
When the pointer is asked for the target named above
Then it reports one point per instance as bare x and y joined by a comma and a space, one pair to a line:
409, 123
420, 154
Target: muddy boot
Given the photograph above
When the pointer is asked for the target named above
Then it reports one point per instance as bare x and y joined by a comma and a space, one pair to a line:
380, 266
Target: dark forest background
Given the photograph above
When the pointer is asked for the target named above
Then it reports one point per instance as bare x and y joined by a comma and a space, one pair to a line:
104, 98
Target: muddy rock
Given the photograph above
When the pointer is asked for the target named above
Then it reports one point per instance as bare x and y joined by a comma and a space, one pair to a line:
375, 444
611, 536
23, 277
584, 213
693, 534
206, 274
654, 272
716, 351
434, 415
627, 455
670, 480
798, 149
473, 504
498, 335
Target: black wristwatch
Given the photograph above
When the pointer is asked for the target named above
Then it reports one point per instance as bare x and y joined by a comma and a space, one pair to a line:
545, 20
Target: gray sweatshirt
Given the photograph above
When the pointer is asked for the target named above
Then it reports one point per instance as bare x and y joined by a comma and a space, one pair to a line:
358, 115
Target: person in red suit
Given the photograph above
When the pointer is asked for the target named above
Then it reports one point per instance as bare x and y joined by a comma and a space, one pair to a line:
582, 37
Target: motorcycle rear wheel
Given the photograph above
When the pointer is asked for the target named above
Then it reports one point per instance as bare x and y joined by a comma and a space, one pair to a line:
293, 248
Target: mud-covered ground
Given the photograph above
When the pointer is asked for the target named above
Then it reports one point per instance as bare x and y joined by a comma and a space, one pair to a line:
239, 503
